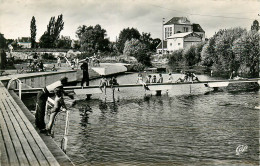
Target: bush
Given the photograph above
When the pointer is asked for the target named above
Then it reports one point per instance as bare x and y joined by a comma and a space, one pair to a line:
136, 67
49, 56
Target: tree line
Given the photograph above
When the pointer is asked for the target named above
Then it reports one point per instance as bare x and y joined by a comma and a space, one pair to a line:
228, 51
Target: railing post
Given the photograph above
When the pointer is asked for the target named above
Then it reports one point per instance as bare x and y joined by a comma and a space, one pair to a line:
20, 88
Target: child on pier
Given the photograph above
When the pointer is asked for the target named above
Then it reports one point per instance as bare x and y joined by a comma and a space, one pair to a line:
160, 80
113, 82
103, 83
154, 79
58, 105
140, 81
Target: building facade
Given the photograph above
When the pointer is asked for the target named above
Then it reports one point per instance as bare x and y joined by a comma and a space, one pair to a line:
180, 33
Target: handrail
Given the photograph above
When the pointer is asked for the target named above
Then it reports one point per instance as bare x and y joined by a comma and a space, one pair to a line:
19, 82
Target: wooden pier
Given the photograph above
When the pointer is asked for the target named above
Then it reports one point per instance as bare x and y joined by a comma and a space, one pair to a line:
20, 142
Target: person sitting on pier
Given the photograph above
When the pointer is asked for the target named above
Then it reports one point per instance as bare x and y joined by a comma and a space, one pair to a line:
140, 79
53, 68
170, 79
40, 66
103, 84
180, 80
113, 82
58, 106
194, 77
148, 79
154, 79
186, 77
42, 98
20, 71
160, 80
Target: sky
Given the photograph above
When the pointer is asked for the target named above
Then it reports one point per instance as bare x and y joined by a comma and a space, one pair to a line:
115, 15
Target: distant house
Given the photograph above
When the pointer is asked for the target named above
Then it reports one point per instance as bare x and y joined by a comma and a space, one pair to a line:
24, 42
179, 33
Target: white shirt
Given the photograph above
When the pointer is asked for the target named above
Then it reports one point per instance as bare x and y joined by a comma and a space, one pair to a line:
54, 85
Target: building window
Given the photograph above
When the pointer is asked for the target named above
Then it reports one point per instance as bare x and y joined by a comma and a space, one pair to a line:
185, 29
167, 32
170, 44
179, 44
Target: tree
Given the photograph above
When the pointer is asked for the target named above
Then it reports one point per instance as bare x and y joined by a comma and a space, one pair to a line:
223, 47
2, 41
155, 43
127, 34
52, 34
92, 39
176, 58
192, 54
138, 50
64, 42
80, 31
255, 26
33, 32
247, 53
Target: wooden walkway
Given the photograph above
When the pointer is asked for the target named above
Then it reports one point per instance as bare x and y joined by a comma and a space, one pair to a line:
20, 142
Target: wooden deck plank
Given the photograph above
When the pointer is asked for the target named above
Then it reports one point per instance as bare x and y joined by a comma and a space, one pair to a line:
35, 135
3, 157
24, 135
12, 157
16, 141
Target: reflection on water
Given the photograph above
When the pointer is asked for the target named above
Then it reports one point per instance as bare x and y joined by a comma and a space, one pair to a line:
177, 128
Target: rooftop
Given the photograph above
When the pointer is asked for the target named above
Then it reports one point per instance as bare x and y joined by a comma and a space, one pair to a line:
197, 28
178, 20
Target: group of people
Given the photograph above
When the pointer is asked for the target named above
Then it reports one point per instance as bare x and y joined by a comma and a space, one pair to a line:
149, 79
105, 83
188, 76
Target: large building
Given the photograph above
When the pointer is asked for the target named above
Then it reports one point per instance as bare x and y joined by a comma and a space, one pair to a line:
179, 33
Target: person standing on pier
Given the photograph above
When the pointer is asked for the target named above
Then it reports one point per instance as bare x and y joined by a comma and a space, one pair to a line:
42, 98
58, 61
103, 84
84, 68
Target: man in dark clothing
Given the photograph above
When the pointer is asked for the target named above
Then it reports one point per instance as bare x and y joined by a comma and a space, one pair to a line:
85, 78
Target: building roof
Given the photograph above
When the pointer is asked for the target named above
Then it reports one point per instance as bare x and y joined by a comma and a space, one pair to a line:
164, 45
178, 20
197, 28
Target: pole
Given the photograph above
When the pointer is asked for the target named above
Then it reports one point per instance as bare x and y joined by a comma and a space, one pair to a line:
20, 89
162, 34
